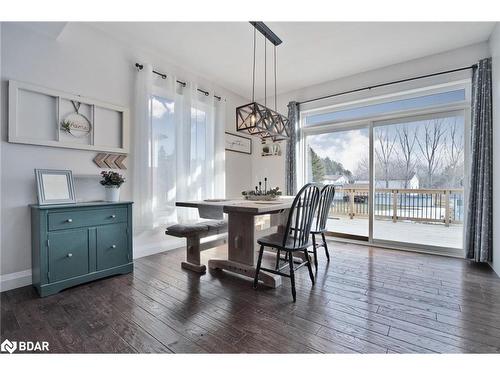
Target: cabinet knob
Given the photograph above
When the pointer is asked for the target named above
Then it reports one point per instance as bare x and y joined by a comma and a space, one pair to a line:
69, 220
113, 246
69, 255
113, 216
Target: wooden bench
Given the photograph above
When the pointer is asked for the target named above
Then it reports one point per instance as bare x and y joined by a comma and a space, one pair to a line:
193, 234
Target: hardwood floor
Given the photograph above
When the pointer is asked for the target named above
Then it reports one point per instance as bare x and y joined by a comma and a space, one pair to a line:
366, 300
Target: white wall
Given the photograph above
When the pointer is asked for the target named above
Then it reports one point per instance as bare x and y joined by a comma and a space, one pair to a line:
84, 61
495, 54
275, 166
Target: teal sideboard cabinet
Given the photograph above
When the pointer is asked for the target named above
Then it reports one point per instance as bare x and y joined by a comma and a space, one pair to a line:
76, 243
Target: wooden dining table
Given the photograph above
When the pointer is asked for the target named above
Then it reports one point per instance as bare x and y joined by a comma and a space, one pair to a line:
243, 232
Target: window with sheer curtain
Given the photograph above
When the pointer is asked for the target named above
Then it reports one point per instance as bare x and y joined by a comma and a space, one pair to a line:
179, 147
163, 158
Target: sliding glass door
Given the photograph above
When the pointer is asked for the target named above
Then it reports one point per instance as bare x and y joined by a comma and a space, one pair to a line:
399, 176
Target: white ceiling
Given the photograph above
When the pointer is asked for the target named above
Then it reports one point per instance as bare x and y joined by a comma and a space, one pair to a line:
311, 53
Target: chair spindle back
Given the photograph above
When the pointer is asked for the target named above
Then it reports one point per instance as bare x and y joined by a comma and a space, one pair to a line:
301, 216
325, 202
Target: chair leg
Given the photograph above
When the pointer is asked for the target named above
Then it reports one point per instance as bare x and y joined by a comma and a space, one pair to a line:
278, 254
292, 276
326, 247
259, 261
309, 267
315, 252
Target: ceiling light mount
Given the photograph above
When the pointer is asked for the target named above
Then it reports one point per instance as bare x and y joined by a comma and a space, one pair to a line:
267, 32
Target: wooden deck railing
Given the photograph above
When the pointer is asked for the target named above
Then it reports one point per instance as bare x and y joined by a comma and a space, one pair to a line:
422, 205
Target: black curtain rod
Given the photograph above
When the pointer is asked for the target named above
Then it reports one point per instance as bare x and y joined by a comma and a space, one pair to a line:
183, 84
389, 83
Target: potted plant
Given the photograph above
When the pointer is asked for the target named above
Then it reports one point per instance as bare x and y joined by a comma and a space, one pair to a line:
112, 182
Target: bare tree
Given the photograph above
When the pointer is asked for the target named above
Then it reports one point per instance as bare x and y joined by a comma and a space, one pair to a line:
430, 146
454, 149
407, 138
384, 148
362, 171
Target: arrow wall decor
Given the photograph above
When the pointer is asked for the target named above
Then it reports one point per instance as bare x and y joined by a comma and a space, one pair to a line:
112, 161
119, 161
99, 160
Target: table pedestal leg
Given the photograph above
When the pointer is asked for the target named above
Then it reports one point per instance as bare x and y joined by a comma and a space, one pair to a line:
242, 249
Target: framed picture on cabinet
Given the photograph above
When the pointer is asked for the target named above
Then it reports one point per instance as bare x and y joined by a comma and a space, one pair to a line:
54, 186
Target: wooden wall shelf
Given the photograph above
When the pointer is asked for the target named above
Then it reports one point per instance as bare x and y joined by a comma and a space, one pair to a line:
36, 113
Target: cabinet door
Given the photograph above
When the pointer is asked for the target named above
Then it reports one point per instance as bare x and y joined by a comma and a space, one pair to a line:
68, 254
112, 246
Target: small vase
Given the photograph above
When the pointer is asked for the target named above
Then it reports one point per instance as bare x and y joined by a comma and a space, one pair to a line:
112, 194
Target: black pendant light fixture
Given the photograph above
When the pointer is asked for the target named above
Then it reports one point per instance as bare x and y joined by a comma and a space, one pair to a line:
257, 119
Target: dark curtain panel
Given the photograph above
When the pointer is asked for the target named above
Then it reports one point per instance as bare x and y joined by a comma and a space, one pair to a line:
291, 154
479, 231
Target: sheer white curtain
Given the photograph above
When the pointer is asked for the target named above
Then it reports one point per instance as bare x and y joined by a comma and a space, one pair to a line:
207, 147
201, 171
179, 149
142, 186
163, 147
184, 189
154, 142
219, 149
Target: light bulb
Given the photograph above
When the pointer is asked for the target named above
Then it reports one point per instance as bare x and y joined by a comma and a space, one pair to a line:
252, 119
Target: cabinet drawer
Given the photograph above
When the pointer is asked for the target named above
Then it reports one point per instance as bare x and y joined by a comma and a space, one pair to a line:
83, 218
68, 254
112, 246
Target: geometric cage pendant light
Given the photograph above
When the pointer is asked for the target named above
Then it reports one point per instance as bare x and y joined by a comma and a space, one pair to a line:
257, 119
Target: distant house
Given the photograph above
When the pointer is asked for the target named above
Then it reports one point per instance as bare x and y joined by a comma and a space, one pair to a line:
335, 179
413, 183
358, 184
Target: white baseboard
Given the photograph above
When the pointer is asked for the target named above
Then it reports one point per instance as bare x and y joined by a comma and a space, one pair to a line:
19, 279
15, 280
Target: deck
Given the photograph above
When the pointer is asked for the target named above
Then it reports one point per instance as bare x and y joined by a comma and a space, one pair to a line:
430, 234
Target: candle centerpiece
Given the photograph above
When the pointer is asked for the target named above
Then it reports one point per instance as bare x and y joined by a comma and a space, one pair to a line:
259, 194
